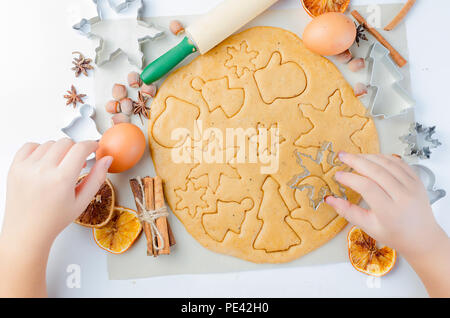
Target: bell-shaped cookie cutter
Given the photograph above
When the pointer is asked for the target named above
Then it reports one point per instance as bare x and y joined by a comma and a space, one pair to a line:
429, 180
420, 141
388, 98
85, 28
83, 127
323, 191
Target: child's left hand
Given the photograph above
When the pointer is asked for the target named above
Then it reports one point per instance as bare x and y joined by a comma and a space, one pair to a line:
42, 196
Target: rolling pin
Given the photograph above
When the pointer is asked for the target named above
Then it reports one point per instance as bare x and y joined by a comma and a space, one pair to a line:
214, 27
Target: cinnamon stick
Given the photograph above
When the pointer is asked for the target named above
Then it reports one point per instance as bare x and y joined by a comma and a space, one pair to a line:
138, 195
396, 56
161, 223
400, 16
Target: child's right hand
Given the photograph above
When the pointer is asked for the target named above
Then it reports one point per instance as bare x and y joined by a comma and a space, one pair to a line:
400, 214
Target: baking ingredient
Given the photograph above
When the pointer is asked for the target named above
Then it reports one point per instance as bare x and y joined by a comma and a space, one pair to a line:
82, 64
126, 106
100, 209
238, 209
344, 57
120, 233
360, 35
400, 16
134, 80
357, 64
120, 118
396, 56
366, 256
360, 89
330, 34
148, 194
119, 92
176, 27
112, 107
140, 107
149, 90
73, 97
317, 7
125, 143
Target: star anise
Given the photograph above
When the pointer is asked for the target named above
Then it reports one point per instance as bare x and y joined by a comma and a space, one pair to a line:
140, 107
73, 97
82, 64
360, 35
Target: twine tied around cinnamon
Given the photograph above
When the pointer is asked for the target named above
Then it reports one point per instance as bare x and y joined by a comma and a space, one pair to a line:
150, 217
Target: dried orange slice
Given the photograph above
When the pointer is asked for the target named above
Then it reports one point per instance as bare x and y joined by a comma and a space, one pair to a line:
317, 7
100, 210
366, 257
120, 233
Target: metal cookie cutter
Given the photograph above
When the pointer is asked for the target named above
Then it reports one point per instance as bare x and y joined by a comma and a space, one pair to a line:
420, 141
429, 180
83, 127
323, 191
388, 98
92, 29
119, 6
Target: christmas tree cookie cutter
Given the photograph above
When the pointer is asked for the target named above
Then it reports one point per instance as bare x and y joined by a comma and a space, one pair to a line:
388, 98
429, 180
83, 127
420, 141
87, 27
323, 192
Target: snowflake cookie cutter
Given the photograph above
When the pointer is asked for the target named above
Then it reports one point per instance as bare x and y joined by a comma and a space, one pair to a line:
324, 191
388, 98
429, 180
86, 26
83, 127
420, 141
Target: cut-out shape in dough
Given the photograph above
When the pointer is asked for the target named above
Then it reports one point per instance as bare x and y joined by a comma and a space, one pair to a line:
275, 234
319, 218
339, 130
266, 144
276, 80
218, 94
214, 172
241, 59
177, 114
228, 216
190, 198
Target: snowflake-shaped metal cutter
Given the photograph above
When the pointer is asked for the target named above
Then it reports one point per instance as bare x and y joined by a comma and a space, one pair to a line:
420, 141
85, 28
323, 191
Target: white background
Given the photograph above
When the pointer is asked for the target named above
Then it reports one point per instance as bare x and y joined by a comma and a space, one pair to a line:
36, 45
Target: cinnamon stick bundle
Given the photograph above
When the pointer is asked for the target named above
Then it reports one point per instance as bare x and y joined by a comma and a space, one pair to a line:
153, 199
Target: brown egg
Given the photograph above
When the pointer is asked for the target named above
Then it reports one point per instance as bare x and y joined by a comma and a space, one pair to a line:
330, 34
125, 143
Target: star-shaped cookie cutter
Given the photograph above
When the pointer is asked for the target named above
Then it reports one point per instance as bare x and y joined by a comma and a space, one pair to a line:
420, 141
85, 27
323, 191
388, 98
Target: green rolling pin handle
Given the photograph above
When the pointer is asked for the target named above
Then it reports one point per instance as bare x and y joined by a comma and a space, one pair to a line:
165, 63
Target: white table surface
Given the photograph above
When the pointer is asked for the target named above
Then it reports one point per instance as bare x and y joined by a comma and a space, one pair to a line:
36, 45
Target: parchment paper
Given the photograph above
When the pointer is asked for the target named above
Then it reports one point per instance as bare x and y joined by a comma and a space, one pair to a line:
188, 256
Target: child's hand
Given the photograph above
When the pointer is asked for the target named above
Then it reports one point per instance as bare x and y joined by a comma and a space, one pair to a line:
400, 214
42, 196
